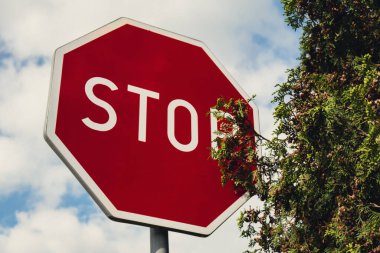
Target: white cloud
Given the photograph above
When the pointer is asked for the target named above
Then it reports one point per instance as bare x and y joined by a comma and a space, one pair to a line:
34, 29
26, 160
60, 231
24, 96
226, 26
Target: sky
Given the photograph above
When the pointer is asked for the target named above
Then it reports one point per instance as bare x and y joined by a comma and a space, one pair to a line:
43, 208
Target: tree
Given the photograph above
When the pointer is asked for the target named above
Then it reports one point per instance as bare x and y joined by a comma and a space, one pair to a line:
320, 179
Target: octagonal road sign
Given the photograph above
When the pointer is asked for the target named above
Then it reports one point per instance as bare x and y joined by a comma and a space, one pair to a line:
128, 114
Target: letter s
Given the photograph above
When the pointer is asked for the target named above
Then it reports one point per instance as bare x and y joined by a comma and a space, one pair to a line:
111, 122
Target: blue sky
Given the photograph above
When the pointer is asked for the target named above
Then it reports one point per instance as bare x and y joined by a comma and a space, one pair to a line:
42, 206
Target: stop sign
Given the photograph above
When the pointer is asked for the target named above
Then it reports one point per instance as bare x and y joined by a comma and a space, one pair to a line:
129, 114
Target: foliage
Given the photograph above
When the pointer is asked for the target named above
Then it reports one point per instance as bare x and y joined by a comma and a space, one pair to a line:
320, 185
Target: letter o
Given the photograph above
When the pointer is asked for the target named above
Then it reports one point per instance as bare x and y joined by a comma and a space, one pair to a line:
171, 124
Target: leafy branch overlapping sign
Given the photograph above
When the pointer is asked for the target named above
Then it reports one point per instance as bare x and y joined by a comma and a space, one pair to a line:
320, 184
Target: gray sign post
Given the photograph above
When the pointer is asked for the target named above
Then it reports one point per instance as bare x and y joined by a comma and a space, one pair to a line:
159, 240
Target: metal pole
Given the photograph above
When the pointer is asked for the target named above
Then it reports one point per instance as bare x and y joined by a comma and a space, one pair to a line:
159, 240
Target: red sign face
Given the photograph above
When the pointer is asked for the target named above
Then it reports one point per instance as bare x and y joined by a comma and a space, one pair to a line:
129, 114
